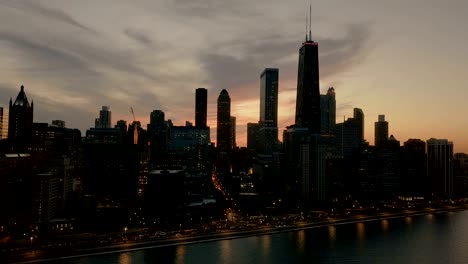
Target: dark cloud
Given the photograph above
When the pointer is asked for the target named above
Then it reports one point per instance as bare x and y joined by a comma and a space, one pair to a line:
341, 54
34, 7
139, 37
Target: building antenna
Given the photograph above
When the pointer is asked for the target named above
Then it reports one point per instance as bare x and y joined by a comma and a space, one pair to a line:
310, 20
307, 22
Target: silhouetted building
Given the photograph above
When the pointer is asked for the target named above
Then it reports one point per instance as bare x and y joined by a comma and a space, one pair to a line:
223, 136
414, 173
104, 120
268, 125
269, 97
201, 99
308, 88
381, 131
122, 126
3, 123
328, 111
233, 132
440, 166
315, 151
58, 123
252, 136
20, 121
157, 134
349, 135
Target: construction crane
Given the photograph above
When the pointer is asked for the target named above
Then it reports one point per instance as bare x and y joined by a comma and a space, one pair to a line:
135, 128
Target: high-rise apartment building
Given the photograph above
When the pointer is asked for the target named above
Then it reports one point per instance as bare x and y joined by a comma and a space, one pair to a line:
328, 111
201, 98
308, 88
381, 131
223, 135
440, 166
3, 123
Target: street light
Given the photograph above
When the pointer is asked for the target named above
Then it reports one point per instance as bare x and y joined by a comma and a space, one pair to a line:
31, 241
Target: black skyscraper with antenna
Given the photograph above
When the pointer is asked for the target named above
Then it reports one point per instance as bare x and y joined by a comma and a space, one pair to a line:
308, 86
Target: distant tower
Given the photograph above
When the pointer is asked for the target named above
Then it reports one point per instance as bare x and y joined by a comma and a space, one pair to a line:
381, 131
223, 137
440, 166
328, 111
3, 123
308, 87
20, 121
201, 98
105, 117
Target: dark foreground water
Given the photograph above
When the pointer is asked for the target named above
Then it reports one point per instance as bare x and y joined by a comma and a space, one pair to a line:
438, 238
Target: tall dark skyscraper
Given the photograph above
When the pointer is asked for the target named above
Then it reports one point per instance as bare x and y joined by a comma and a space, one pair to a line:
308, 88
381, 131
201, 98
20, 121
440, 166
268, 125
328, 111
223, 135
269, 97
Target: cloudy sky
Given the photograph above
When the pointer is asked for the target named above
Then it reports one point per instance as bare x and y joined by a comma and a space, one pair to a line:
405, 59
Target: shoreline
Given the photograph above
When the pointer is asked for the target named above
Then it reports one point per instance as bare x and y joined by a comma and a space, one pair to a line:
188, 240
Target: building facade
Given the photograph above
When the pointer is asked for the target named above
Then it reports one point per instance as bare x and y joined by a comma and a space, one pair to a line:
440, 166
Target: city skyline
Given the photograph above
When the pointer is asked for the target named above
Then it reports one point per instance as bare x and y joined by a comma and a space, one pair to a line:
73, 60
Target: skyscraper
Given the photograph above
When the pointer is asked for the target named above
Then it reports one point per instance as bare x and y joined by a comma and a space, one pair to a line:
252, 136
269, 97
3, 123
233, 132
381, 131
440, 166
268, 125
201, 98
223, 135
308, 88
20, 121
328, 111
104, 120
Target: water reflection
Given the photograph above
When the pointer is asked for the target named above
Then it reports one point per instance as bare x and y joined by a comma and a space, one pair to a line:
300, 242
360, 228
266, 244
125, 258
226, 251
180, 254
385, 225
332, 233
408, 220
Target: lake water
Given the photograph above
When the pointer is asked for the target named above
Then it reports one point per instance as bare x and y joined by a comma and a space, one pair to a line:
438, 238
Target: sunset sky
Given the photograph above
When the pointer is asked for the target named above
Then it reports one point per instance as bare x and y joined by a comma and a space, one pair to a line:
405, 59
